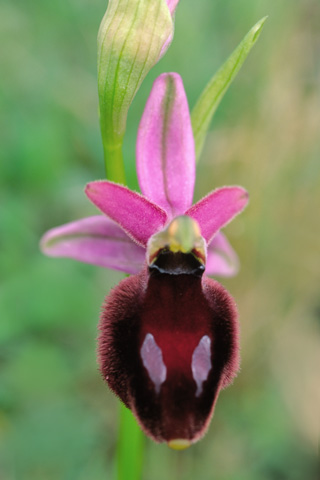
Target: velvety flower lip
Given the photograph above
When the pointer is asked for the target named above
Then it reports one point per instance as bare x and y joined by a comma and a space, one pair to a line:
168, 335
168, 344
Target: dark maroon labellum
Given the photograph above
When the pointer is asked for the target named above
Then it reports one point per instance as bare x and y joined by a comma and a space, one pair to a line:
168, 344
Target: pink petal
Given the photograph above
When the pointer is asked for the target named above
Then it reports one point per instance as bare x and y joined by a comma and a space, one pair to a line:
165, 147
95, 240
136, 215
222, 260
217, 209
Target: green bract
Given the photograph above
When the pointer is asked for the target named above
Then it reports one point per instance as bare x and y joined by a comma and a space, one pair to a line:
213, 93
132, 37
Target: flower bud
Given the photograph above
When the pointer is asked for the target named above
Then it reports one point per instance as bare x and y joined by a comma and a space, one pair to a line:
133, 35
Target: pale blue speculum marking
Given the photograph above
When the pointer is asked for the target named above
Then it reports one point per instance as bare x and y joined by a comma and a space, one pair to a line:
201, 363
152, 360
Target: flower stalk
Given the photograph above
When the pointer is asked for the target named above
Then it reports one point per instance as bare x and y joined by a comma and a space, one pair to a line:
130, 447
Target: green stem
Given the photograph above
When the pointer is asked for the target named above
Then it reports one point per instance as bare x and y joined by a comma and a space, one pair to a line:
130, 440
113, 161
130, 447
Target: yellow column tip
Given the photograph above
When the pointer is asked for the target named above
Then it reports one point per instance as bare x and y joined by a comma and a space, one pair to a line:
179, 444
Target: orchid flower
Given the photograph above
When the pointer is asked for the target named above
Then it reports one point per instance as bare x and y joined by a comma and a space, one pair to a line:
168, 334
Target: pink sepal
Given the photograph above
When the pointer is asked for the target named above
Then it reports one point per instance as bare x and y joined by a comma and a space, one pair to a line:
165, 147
222, 260
95, 240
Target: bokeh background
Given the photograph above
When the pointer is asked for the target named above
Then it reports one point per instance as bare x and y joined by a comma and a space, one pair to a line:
58, 421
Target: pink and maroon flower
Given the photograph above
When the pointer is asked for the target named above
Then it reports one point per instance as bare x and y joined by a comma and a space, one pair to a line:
168, 334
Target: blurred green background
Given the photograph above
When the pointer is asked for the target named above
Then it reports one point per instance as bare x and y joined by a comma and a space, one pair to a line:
58, 421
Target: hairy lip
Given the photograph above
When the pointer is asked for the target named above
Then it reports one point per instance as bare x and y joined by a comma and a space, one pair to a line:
167, 345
